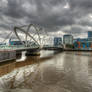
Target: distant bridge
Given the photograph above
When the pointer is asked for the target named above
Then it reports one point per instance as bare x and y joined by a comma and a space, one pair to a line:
52, 47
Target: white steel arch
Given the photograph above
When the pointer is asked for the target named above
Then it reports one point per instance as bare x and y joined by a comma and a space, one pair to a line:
27, 34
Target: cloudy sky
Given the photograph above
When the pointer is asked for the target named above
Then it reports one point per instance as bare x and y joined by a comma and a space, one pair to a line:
56, 16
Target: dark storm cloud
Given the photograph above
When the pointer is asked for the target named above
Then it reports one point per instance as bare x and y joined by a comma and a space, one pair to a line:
53, 15
13, 9
81, 3
47, 12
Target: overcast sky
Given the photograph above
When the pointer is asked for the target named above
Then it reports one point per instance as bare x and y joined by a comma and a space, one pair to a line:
55, 16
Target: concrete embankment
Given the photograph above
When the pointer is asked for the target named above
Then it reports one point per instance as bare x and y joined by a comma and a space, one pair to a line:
7, 55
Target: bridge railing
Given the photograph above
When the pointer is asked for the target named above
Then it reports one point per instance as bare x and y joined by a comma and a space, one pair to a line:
14, 47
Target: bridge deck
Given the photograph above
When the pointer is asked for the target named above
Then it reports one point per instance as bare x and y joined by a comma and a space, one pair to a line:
24, 48
16, 48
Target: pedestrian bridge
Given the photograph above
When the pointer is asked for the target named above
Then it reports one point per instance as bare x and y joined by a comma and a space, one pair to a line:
24, 48
30, 37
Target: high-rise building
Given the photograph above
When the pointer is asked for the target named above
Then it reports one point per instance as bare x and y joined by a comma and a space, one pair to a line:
68, 39
57, 41
89, 34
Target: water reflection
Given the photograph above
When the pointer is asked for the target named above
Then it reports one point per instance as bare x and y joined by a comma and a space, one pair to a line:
46, 53
62, 72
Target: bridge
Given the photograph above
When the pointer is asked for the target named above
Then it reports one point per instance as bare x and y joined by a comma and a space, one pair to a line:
20, 48
32, 33
52, 47
24, 48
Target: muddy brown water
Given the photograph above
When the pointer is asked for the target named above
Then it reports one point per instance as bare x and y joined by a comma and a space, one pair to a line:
49, 72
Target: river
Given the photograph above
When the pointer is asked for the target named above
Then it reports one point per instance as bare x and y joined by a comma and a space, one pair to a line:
49, 72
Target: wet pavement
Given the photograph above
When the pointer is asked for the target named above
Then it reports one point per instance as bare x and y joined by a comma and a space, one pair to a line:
49, 72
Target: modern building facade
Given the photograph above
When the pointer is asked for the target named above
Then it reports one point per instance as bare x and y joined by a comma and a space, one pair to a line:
57, 41
68, 39
14, 42
83, 44
89, 34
